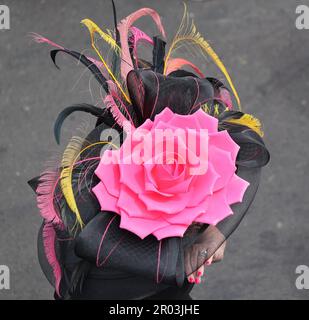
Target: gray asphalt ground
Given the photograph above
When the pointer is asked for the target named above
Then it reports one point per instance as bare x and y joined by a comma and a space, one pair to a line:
268, 59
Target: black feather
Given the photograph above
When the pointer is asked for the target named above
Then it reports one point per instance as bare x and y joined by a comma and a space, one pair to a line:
115, 24
90, 65
77, 279
115, 59
67, 111
216, 83
158, 54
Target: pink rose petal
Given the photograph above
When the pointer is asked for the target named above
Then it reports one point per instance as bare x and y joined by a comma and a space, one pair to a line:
206, 121
188, 215
223, 166
132, 175
129, 202
203, 186
156, 202
164, 116
177, 230
106, 200
236, 189
140, 226
218, 209
223, 140
109, 174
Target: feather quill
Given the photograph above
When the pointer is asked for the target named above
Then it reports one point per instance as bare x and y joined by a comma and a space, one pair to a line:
93, 29
115, 58
187, 35
124, 27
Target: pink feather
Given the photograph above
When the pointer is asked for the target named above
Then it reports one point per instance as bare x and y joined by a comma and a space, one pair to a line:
49, 238
177, 63
138, 36
124, 27
46, 195
40, 39
225, 96
110, 104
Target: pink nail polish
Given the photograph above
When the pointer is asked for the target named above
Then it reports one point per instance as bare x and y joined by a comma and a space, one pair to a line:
199, 273
197, 280
191, 280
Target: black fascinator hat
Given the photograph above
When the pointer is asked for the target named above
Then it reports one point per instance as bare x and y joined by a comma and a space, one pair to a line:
78, 240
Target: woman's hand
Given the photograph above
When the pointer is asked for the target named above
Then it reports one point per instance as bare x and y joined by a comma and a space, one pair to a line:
209, 241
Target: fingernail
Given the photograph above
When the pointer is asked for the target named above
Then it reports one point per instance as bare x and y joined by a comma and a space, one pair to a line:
191, 280
197, 280
199, 273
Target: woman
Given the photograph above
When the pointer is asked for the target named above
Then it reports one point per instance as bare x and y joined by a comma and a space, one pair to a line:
146, 230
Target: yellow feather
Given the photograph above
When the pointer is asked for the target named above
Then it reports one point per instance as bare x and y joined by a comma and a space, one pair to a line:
69, 156
93, 28
110, 32
107, 37
249, 121
188, 35
216, 111
205, 108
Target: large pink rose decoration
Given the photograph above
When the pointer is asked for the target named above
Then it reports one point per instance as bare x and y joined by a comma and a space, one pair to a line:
161, 192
